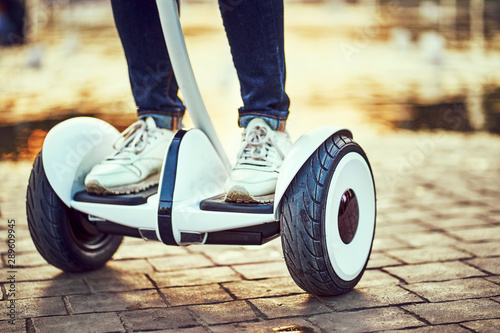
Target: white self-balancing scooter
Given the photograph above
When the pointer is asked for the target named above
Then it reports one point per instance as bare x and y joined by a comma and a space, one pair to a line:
324, 205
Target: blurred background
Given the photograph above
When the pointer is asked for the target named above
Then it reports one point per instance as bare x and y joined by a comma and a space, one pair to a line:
375, 66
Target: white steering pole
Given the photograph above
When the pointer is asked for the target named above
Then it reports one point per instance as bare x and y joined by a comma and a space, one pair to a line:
172, 31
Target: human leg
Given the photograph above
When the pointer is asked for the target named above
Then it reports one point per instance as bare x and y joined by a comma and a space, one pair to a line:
254, 30
151, 75
255, 33
136, 162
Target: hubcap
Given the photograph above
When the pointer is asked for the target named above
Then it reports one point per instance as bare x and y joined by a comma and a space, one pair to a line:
85, 235
348, 218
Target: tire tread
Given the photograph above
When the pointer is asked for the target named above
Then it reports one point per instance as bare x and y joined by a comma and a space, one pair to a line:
301, 216
47, 215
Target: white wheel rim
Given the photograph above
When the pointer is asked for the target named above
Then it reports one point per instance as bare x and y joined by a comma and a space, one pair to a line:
348, 260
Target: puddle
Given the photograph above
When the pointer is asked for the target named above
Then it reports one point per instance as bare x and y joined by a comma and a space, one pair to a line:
491, 107
448, 115
452, 113
23, 141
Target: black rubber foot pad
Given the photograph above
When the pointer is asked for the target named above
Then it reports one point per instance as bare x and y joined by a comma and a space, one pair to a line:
122, 199
218, 204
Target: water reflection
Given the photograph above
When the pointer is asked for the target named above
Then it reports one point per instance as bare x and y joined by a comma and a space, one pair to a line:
24, 140
491, 106
447, 33
450, 115
453, 113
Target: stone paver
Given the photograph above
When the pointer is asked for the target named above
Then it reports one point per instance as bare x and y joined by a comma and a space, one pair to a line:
392, 229
495, 279
379, 260
136, 250
26, 259
125, 266
212, 293
482, 249
263, 288
195, 277
434, 271
365, 320
37, 307
376, 278
376, 296
435, 262
18, 326
222, 313
46, 272
461, 222
490, 265
428, 254
478, 234
433, 238
265, 270
131, 300
455, 289
382, 244
234, 256
118, 282
456, 311
157, 319
180, 262
453, 328
93, 322
199, 329
275, 325
286, 306
57, 287
486, 326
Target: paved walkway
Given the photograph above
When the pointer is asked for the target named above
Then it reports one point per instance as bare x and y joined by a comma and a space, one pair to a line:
435, 265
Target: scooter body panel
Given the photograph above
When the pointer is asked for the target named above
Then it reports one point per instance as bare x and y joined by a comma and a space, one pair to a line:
199, 174
195, 172
70, 150
301, 150
142, 217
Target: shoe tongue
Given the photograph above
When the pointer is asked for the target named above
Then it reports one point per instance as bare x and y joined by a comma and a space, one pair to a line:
258, 122
135, 139
150, 123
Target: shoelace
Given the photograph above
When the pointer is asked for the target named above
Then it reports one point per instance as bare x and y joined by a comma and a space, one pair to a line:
134, 139
256, 147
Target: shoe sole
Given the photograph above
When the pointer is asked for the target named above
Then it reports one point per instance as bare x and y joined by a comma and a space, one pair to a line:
95, 187
239, 194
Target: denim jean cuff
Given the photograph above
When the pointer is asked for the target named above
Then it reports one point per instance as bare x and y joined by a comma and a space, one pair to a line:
171, 122
275, 119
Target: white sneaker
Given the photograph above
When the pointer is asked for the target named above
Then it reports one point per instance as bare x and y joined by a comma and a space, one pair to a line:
260, 157
136, 163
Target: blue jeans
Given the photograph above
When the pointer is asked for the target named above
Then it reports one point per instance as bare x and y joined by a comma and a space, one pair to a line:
254, 29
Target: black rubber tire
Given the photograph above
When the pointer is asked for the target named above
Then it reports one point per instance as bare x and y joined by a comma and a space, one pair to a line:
302, 218
63, 236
